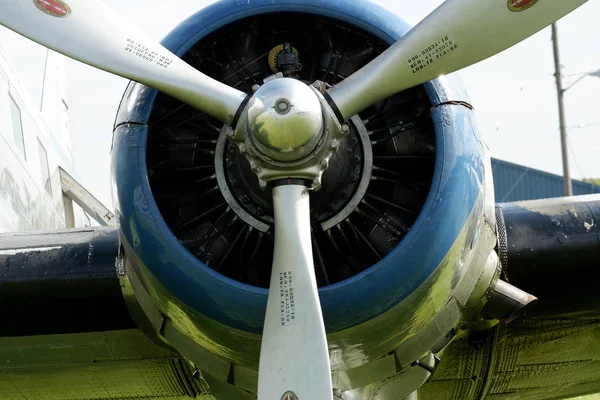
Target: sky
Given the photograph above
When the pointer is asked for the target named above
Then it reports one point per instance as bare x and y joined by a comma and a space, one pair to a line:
513, 93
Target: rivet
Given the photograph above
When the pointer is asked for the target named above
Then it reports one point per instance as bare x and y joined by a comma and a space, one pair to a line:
562, 238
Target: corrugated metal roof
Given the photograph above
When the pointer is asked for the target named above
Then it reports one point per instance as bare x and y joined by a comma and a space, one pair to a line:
514, 182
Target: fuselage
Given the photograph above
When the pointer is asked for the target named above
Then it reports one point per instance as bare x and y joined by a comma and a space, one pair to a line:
32, 147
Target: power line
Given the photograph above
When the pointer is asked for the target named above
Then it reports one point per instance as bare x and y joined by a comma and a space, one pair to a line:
515, 184
584, 126
572, 151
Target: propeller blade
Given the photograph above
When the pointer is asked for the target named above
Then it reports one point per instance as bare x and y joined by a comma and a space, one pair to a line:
294, 357
93, 33
457, 34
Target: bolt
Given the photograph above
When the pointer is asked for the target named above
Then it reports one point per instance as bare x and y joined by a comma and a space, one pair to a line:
243, 148
255, 87
282, 106
354, 177
345, 130
229, 163
330, 207
333, 145
245, 199
234, 184
345, 194
254, 166
324, 163
355, 159
230, 133
354, 141
260, 211
316, 181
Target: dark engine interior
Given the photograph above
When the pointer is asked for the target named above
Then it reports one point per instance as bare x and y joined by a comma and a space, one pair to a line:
372, 193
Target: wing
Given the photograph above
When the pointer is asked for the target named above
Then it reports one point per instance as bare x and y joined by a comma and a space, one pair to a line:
553, 252
67, 329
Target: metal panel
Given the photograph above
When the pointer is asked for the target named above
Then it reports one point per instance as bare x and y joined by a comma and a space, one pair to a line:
513, 182
60, 282
107, 365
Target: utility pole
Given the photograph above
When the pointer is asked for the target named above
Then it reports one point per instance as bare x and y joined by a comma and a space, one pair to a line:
560, 91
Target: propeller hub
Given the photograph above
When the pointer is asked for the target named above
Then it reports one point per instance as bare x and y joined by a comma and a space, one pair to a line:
285, 120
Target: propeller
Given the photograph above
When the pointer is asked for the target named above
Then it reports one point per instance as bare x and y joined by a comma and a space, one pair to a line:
294, 357
456, 35
93, 33
294, 362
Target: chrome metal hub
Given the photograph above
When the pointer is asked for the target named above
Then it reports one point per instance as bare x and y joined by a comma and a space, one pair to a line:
284, 119
288, 131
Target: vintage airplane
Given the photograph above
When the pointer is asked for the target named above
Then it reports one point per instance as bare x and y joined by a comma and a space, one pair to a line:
400, 279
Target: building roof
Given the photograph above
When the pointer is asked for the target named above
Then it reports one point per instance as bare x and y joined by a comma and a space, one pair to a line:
514, 182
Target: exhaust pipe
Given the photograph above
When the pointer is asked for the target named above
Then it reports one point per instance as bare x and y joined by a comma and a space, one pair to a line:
507, 302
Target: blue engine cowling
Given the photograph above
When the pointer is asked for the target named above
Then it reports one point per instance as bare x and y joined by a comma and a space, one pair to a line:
385, 317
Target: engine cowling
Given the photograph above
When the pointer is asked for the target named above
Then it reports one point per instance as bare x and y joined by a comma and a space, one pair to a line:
403, 227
